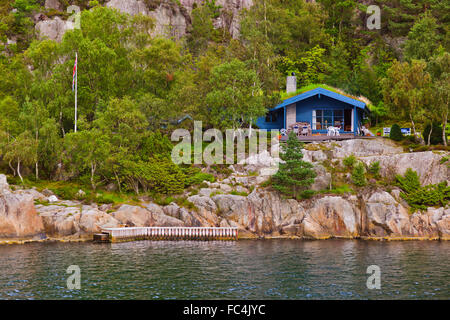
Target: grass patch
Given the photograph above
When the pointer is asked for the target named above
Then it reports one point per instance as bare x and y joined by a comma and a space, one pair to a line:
341, 189
235, 193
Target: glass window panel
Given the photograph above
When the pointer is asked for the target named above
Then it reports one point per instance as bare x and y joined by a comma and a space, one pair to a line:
338, 113
318, 113
328, 113
327, 121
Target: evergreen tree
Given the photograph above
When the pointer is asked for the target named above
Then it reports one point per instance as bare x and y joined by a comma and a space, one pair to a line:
358, 177
396, 132
423, 39
433, 134
295, 176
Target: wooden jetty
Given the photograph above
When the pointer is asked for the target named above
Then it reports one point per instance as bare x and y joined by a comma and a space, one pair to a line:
166, 233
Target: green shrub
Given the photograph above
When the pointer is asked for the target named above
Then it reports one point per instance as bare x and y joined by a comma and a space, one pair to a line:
409, 182
374, 168
419, 197
436, 134
411, 139
159, 174
358, 177
349, 161
162, 200
68, 192
198, 178
396, 133
428, 196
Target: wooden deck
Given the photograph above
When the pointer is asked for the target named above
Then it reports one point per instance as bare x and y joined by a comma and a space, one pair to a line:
324, 137
167, 233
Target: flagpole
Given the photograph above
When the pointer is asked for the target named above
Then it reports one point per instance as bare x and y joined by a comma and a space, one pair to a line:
76, 85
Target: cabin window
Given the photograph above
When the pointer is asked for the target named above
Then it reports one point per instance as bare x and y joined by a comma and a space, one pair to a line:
271, 117
322, 119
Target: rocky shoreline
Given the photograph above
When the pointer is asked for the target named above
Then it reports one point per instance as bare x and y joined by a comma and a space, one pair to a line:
371, 214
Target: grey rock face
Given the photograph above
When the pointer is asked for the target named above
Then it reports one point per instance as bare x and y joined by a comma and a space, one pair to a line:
53, 29
53, 4
426, 164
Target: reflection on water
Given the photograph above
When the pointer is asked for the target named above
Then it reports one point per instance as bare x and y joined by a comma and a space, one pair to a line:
272, 269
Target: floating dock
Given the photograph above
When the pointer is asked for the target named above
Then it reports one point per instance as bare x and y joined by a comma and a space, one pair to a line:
167, 233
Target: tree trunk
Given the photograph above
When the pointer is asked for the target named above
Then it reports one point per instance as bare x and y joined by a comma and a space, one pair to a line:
36, 164
413, 125
444, 135
429, 135
12, 168
18, 171
118, 181
92, 176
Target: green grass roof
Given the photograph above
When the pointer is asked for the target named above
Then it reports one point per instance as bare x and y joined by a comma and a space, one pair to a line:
310, 87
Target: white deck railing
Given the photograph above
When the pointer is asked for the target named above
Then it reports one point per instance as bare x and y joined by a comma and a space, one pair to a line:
171, 233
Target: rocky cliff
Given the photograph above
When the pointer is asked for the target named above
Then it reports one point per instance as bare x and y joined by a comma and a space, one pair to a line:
172, 18
374, 213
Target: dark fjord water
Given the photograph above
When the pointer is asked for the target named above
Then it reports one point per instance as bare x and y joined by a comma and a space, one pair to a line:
271, 269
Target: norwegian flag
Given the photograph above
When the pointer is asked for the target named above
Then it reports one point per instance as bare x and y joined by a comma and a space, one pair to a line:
75, 72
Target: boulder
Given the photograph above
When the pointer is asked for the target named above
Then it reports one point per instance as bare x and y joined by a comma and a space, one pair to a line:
46, 192
206, 209
322, 180
331, 217
34, 193
386, 217
225, 188
241, 189
18, 217
52, 199
53, 4
134, 216
160, 218
443, 225
206, 192
61, 221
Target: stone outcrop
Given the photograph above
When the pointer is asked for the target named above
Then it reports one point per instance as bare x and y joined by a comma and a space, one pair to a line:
72, 220
332, 217
426, 164
392, 159
18, 216
53, 29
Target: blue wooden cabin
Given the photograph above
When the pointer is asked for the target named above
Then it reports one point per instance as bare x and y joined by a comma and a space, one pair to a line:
320, 108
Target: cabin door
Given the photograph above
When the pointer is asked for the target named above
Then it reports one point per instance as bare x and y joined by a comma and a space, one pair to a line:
348, 120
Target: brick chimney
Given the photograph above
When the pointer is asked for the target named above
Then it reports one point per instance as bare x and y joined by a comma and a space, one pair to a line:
291, 83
